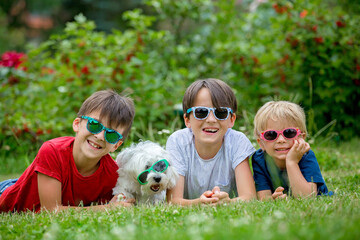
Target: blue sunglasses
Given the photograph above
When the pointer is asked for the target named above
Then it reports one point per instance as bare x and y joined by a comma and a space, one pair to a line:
201, 113
94, 126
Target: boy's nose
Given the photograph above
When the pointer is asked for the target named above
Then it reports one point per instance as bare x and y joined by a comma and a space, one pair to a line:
211, 117
100, 135
281, 138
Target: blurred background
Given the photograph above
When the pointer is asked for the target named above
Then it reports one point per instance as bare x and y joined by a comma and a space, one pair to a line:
54, 54
33, 21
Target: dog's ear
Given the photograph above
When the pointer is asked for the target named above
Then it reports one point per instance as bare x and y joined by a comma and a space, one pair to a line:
173, 176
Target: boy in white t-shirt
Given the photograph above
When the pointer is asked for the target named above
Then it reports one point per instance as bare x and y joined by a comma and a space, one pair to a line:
211, 158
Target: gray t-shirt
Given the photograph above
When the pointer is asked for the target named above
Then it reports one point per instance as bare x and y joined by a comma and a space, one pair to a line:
202, 175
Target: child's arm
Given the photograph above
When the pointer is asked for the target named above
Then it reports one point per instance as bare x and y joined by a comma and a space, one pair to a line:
50, 195
244, 182
300, 187
176, 194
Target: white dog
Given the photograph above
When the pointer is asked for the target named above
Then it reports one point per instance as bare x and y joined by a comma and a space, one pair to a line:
145, 172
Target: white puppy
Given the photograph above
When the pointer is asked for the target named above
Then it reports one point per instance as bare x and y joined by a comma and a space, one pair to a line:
145, 172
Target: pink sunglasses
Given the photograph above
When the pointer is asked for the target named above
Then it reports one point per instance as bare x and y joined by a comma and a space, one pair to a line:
272, 135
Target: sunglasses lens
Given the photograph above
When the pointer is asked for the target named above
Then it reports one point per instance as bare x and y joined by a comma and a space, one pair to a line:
221, 113
201, 113
160, 166
142, 177
290, 133
270, 135
94, 126
112, 136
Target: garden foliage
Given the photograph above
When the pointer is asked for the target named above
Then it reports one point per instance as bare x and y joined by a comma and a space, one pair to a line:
304, 51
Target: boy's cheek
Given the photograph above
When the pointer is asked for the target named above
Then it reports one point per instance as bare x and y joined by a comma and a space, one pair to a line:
261, 144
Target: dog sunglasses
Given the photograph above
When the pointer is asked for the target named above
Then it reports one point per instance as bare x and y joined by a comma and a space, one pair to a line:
272, 135
160, 166
201, 113
94, 126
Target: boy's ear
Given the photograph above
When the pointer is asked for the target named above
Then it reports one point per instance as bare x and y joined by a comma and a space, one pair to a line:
76, 124
187, 121
260, 144
116, 146
232, 120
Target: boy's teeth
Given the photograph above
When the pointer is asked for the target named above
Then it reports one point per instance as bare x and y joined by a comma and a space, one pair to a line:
210, 130
95, 146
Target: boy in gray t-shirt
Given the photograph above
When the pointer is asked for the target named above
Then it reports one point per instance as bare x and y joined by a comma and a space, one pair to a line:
211, 158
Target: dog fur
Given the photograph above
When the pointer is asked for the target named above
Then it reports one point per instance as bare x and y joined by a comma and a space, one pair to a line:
136, 159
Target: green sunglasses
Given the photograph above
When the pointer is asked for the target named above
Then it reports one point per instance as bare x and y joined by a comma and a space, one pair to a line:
160, 166
94, 126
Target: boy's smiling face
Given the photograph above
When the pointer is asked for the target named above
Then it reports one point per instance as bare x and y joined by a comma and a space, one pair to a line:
279, 148
92, 146
209, 133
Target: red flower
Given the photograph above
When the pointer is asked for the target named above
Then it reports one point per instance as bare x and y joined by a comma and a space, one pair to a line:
139, 39
13, 80
39, 132
129, 56
255, 59
279, 9
314, 28
356, 82
319, 39
12, 59
303, 13
340, 24
283, 60
26, 128
357, 67
46, 70
85, 70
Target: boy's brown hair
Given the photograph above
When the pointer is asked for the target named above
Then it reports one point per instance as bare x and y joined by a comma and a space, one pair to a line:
221, 94
117, 110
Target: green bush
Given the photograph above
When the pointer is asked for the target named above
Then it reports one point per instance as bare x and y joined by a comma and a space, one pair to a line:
300, 51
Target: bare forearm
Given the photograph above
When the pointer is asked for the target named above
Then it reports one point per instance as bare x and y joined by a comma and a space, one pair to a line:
184, 202
109, 206
300, 187
244, 198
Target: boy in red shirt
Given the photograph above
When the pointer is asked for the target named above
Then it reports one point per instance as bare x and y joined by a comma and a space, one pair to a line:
71, 172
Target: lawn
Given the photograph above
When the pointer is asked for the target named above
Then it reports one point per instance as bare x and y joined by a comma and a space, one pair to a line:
336, 217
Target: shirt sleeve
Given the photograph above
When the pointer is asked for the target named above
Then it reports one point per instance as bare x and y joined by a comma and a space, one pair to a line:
241, 145
261, 181
48, 161
175, 150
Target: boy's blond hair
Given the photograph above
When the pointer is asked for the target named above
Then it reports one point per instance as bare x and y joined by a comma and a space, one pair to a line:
278, 111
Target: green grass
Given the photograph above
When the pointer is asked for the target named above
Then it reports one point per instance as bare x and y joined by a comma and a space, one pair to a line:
322, 218
336, 217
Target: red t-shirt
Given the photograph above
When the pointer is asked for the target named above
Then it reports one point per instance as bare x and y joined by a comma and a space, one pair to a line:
55, 159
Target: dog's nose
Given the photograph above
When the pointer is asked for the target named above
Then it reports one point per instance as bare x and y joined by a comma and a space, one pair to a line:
157, 179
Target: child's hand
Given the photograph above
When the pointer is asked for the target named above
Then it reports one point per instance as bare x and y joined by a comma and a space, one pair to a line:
121, 200
222, 196
127, 203
214, 197
296, 152
279, 193
206, 198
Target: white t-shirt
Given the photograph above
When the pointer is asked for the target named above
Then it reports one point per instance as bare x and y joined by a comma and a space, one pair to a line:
202, 175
